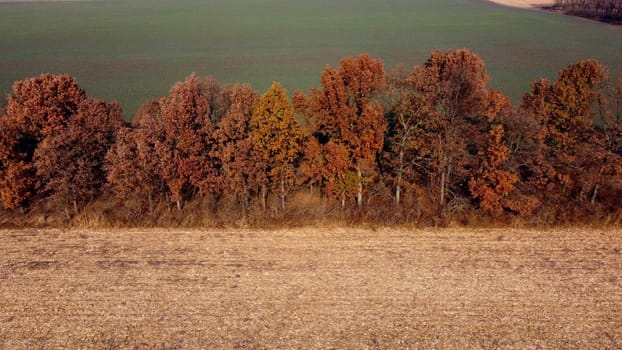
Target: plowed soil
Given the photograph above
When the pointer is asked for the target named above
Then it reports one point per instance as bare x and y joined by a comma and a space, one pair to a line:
311, 289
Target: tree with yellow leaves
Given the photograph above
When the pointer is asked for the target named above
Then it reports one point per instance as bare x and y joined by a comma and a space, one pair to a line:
278, 138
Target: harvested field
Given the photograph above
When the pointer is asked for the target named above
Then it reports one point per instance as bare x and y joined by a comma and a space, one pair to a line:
311, 289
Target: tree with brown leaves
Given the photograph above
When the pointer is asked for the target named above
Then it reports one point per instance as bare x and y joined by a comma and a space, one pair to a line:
70, 163
37, 108
453, 86
240, 163
132, 165
184, 141
446, 136
571, 155
17, 172
406, 113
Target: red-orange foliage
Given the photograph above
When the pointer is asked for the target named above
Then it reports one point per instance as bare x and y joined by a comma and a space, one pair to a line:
570, 156
70, 163
240, 163
194, 142
38, 108
452, 87
347, 123
492, 184
405, 157
133, 169
44, 104
442, 139
446, 134
16, 168
183, 138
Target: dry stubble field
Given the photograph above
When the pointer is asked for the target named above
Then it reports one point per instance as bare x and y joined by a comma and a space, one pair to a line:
311, 289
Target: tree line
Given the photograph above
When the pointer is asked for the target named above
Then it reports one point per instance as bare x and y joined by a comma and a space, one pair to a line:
431, 144
605, 10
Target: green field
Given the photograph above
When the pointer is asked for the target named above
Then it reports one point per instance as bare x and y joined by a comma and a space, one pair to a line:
133, 50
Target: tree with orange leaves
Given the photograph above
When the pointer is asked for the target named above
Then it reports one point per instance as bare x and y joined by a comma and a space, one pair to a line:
174, 144
277, 137
492, 184
347, 123
194, 142
573, 157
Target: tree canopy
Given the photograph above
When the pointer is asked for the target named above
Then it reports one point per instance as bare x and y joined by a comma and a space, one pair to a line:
431, 143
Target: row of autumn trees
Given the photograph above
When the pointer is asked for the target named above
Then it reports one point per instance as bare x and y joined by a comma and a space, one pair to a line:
606, 10
413, 145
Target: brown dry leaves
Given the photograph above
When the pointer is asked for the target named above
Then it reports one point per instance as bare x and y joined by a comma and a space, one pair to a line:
311, 288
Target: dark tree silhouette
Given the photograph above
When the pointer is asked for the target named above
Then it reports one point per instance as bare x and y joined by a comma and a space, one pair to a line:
605, 10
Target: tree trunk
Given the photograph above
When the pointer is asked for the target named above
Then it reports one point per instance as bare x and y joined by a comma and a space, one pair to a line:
243, 205
594, 194
150, 201
359, 192
282, 193
343, 200
178, 205
243, 200
442, 197
75, 206
214, 202
398, 183
448, 179
264, 194
445, 180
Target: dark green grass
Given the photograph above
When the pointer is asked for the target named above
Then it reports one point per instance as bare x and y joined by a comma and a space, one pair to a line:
133, 50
